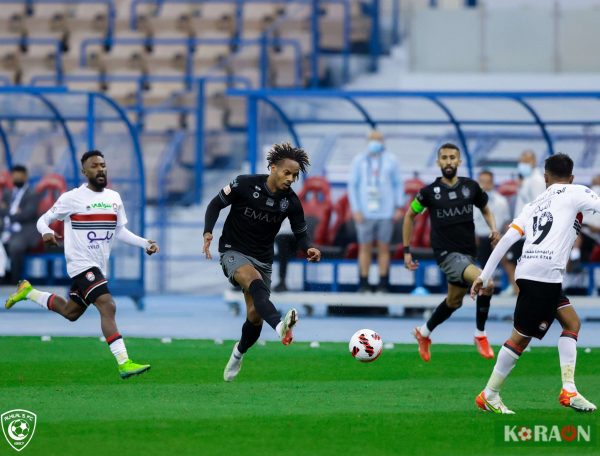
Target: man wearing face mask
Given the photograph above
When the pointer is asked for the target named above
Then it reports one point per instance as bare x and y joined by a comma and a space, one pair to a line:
532, 185
18, 216
376, 195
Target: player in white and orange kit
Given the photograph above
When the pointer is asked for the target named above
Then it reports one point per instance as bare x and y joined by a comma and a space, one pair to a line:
550, 225
94, 216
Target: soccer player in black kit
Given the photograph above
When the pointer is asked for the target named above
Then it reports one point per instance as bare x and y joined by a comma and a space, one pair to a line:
259, 204
450, 201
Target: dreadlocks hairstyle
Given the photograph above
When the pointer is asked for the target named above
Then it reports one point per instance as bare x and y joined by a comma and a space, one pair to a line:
285, 150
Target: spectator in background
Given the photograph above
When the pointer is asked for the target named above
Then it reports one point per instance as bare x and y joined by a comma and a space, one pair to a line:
18, 216
498, 204
532, 184
376, 197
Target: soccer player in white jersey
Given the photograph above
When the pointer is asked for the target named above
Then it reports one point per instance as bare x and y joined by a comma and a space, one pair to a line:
550, 225
94, 217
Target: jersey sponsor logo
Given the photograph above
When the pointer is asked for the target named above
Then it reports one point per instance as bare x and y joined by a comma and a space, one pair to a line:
454, 211
102, 206
227, 189
284, 204
465, 192
262, 216
90, 276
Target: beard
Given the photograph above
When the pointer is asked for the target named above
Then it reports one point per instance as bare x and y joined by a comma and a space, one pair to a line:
449, 172
99, 184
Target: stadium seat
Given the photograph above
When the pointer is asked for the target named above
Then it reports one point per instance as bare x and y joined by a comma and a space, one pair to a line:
5, 181
315, 197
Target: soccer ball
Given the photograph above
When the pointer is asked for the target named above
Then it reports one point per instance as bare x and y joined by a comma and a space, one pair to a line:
365, 345
19, 428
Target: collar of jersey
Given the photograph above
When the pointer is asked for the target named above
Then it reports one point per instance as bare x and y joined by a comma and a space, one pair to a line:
441, 182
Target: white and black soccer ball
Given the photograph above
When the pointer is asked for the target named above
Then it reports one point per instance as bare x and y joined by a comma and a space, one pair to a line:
365, 345
20, 428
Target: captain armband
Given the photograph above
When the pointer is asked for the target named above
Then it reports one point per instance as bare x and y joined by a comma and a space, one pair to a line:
416, 206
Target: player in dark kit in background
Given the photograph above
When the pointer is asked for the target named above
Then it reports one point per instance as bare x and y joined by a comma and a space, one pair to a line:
450, 201
259, 205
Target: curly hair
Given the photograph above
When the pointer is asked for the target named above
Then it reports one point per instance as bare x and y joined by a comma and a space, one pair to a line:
285, 150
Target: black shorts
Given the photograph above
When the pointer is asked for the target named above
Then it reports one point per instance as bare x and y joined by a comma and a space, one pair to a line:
88, 286
536, 307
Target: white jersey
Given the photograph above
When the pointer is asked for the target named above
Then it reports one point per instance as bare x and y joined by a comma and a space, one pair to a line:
550, 224
91, 220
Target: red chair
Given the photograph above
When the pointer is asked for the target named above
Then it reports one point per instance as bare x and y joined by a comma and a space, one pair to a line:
49, 188
5, 181
412, 187
509, 188
315, 197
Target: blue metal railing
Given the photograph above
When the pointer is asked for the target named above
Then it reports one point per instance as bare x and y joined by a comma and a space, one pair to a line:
273, 97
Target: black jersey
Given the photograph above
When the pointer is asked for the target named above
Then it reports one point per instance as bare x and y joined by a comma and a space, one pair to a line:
256, 216
451, 214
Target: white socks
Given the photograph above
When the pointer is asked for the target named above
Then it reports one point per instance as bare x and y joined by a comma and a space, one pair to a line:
507, 359
39, 297
480, 333
117, 347
424, 330
567, 352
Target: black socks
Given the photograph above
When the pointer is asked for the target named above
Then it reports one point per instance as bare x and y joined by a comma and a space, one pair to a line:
250, 334
265, 308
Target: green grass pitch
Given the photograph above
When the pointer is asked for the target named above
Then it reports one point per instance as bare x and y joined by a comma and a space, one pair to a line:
292, 400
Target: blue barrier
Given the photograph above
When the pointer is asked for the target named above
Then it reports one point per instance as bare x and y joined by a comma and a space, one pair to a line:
61, 106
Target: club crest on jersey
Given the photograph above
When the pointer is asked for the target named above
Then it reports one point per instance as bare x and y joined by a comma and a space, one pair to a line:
284, 204
465, 191
543, 326
90, 276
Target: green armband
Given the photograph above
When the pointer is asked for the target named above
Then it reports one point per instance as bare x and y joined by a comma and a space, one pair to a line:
417, 206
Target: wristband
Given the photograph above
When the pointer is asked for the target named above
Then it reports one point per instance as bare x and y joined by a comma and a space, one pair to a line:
406, 249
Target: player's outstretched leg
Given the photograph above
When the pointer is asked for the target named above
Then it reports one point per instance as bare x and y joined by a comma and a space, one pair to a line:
285, 326
250, 334
441, 313
23, 289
